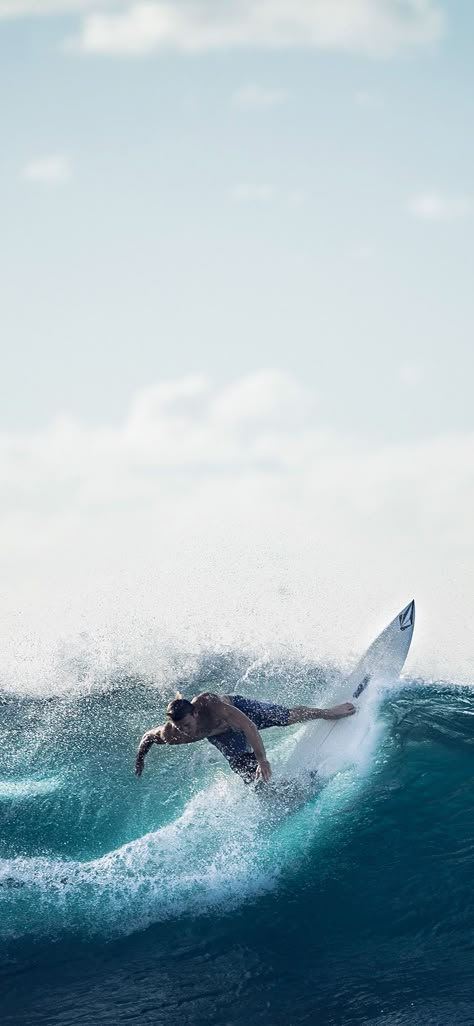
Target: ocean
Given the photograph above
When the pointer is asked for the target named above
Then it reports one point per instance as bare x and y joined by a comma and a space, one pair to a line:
184, 897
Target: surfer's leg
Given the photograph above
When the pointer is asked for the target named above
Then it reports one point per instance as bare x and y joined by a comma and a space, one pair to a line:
245, 766
302, 713
263, 714
268, 714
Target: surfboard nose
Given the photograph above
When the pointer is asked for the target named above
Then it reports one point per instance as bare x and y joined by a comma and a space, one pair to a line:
406, 618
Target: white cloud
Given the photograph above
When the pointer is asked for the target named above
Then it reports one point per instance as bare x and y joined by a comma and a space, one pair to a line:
54, 169
172, 397
433, 205
410, 374
254, 97
363, 253
190, 423
374, 27
42, 8
366, 98
266, 398
246, 193
210, 500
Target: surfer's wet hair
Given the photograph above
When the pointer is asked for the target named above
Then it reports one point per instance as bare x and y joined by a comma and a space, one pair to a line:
179, 708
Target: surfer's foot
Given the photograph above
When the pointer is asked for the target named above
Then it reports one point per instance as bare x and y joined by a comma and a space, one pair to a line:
338, 711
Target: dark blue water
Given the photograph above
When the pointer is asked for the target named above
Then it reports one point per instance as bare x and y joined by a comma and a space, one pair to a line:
184, 898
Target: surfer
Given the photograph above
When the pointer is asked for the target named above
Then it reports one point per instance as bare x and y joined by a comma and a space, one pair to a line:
231, 723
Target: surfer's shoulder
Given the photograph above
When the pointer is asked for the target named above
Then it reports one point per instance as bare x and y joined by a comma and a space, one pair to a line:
170, 734
166, 734
206, 700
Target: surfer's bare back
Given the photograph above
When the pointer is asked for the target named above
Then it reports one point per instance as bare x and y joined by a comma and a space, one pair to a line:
232, 724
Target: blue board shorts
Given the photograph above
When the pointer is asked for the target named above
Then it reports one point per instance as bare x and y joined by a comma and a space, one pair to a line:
234, 745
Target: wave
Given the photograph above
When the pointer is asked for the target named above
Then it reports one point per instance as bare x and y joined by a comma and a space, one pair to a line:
220, 845
92, 851
229, 846
17, 790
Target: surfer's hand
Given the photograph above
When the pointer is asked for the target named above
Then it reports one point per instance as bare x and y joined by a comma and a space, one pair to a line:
338, 711
264, 771
139, 765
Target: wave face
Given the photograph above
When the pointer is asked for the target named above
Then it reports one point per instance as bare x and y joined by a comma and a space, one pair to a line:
183, 896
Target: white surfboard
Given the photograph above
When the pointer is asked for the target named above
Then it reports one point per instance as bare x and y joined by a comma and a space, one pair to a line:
381, 664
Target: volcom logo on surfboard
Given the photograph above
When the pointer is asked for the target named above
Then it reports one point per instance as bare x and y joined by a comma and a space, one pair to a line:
405, 618
362, 686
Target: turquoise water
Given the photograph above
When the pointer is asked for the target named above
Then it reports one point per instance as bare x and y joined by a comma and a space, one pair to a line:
184, 897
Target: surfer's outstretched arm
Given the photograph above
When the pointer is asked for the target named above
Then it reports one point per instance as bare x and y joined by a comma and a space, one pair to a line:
152, 737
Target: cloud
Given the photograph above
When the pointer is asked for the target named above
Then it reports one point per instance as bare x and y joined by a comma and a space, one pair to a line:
253, 97
246, 193
268, 397
42, 8
372, 27
264, 193
191, 423
363, 253
211, 499
373, 100
410, 374
50, 170
432, 205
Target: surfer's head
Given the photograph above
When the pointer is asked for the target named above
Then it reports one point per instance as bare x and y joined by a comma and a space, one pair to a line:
182, 714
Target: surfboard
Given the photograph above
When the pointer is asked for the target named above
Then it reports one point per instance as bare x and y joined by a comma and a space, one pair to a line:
381, 664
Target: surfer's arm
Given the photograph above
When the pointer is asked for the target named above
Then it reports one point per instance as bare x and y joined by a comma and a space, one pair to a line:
152, 737
239, 721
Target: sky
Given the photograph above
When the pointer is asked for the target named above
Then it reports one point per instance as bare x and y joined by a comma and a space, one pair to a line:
236, 316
